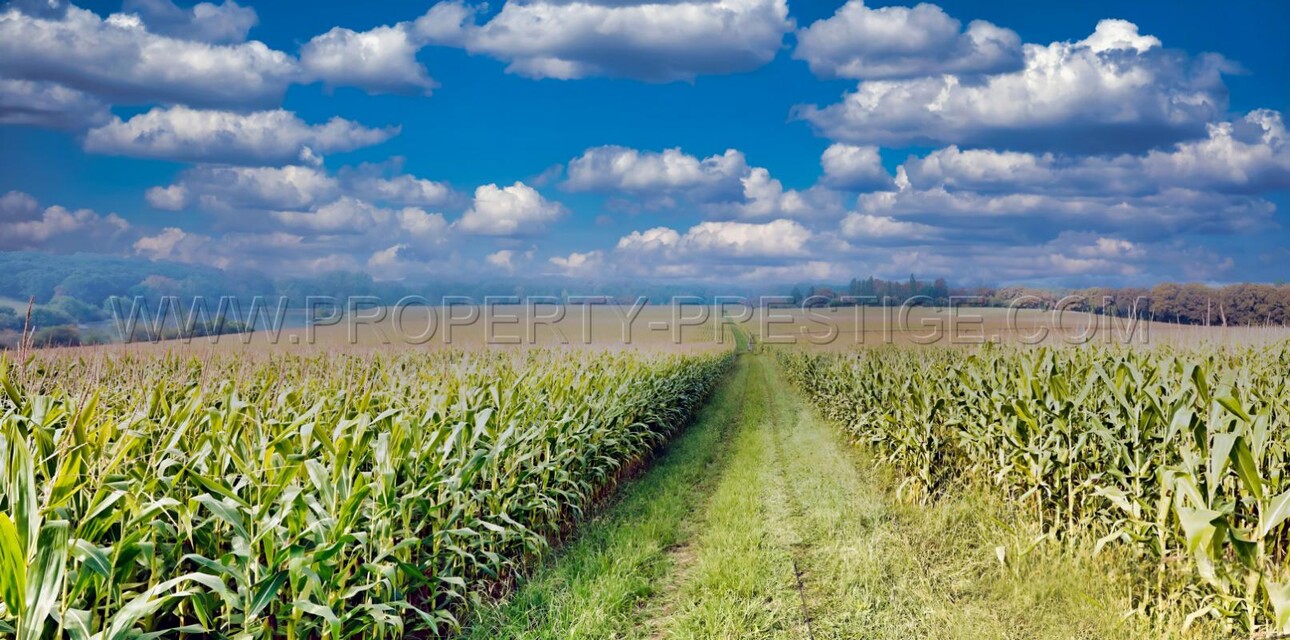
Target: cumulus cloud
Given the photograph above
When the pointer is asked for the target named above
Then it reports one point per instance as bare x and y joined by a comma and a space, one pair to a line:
260, 137
1019, 217
1248, 155
370, 198
503, 211
766, 197
1115, 90
171, 198
672, 171
47, 104
25, 226
382, 60
227, 22
343, 234
775, 239
344, 215
725, 250
121, 60
654, 42
854, 168
584, 264
502, 259
871, 228
384, 182
277, 250
224, 188
902, 42
720, 184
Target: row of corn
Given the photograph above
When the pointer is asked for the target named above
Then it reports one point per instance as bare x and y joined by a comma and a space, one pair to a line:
322, 496
1178, 457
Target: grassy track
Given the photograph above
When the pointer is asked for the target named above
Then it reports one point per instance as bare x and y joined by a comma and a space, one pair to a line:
761, 522
596, 586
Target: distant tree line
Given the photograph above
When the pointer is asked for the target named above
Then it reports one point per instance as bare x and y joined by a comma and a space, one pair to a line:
1230, 305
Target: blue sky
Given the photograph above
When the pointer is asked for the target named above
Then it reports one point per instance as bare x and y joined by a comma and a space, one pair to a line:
723, 140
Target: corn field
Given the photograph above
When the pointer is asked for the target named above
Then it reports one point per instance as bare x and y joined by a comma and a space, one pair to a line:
1180, 457
323, 496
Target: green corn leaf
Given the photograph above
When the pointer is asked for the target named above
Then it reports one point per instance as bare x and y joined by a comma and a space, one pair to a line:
1234, 406
1276, 512
93, 557
1279, 595
265, 591
44, 579
224, 512
13, 566
121, 625
1246, 469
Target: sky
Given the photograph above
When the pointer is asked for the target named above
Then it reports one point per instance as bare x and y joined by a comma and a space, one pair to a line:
741, 141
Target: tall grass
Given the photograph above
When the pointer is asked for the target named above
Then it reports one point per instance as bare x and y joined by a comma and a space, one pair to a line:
326, 496
1180, 456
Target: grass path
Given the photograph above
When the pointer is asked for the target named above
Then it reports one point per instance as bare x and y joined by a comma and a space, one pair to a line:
760, 522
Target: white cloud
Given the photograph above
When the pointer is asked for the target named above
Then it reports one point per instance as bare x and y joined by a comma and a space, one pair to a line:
343, 216
227, 22
775, 239
901, 42
514, 210
720, 184
223, 188
655, 42
1113, 91
171, 198
382, 60
778, 238
16, 206
860, 226
590, 263
388, 263
427, 227
162, 246
118, 58
273, 250
649, 240
260, 137
614, 168
384, 183
308, 200
1246, 156
992, 218
765, 197
724, 251
502, 260
854, 168
1119, 35
46, 104
24, 226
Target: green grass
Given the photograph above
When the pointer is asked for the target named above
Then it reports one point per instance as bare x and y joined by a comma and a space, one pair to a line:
596, 587
762, 496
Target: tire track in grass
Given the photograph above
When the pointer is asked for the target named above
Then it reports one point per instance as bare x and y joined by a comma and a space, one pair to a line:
596, 586
742, 584
682, 557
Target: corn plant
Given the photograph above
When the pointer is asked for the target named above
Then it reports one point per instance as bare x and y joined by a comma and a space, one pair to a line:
1178, 455
319, 496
